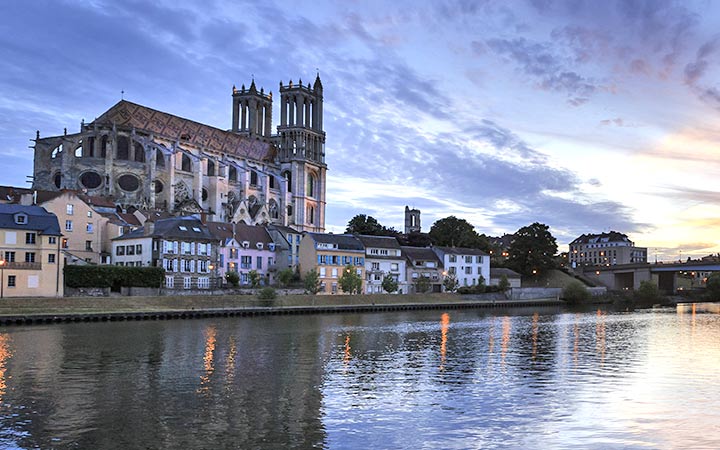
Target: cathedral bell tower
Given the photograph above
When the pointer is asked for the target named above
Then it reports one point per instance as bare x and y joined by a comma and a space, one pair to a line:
252, 112
301, 143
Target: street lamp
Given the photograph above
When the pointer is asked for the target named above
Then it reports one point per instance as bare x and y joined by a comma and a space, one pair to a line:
212, 277
2, 276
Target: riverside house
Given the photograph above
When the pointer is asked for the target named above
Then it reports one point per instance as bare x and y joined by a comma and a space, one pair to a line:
181, 245
469, 266
383, 257
244, 248
423, 262
31, 264
330, 254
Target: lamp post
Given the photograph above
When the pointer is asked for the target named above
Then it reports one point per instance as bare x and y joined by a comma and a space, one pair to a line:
2, 277
211, 267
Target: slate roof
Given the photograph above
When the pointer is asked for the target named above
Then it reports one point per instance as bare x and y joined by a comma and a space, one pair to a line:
223, 231
174, 128
170, 229
612, 236
38, 219
500, 271
379, 241
342, 241
460, 251
420, 254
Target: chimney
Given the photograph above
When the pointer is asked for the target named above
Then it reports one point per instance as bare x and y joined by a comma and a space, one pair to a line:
149, 228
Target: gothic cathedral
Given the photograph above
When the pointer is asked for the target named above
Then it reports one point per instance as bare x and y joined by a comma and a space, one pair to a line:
146, 159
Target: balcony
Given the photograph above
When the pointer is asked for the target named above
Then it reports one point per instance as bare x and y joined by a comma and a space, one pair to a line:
22, 265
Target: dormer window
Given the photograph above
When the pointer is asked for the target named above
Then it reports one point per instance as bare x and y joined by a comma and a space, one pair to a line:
259, 245
271, 247
21, 219
182, 228
196, 229
246, 244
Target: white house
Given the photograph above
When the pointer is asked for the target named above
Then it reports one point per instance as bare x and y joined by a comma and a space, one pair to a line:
468, 265
383, 256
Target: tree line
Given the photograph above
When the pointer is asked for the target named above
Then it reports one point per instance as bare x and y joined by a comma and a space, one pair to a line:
532, 251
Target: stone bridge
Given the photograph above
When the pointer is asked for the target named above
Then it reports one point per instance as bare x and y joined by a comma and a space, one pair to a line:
668, 277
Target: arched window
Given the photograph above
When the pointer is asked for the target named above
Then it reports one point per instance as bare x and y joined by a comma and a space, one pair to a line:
253, 178
79, 150
159, 159
273, 209
123, 148
103, 146
210, 168
310, 214
90, 146
272, 182
310, 189
139, 152
232, 173
56, 151
288, 177
186, 165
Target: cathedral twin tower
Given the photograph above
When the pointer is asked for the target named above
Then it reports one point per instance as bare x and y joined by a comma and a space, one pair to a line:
147, 159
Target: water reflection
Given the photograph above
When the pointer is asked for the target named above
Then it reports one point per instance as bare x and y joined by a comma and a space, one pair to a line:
444, 326
558, 380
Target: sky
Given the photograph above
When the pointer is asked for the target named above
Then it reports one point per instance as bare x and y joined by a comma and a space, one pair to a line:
587, 116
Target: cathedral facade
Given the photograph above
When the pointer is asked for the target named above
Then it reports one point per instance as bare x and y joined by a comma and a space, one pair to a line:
147, 159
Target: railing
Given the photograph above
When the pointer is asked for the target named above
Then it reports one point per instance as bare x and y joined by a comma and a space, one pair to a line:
22, 265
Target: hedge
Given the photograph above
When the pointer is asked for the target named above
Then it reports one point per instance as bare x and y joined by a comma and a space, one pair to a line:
109, 276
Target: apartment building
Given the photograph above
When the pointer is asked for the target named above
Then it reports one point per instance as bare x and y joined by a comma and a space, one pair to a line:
468, 265
330, 254
32, 263
383, 256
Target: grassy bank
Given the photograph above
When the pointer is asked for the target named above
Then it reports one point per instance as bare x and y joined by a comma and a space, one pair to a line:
86, 305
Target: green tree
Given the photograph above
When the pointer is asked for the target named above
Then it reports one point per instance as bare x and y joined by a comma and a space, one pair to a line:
575, 292
450, 283
312, 282
504, 283
422, 284
415, 239
389, 284
254, 279
233, 278
368, 225
648, 292
285, 276
712, 286
533, 250
350, 282
454, 232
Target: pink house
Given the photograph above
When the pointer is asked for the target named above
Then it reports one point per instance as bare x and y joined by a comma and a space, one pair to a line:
243, 248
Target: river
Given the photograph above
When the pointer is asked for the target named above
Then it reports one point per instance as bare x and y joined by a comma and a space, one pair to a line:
522, 378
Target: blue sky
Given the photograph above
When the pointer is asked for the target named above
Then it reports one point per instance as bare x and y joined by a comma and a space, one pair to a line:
588, 116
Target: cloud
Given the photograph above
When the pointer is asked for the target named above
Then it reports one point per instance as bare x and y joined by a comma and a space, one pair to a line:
550, 71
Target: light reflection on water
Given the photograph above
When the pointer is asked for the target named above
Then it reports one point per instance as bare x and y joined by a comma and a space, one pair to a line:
538, 378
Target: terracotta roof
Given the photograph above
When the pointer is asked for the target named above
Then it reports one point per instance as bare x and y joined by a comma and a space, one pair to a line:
174, 128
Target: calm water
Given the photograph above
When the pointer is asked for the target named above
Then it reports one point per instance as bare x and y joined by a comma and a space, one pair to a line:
457, 380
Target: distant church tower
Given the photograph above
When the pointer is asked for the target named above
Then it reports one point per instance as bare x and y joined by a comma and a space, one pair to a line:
301, 143
252, 112
412, 220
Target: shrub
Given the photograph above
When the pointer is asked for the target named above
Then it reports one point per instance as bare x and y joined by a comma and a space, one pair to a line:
504, 283
575, 292
267, 293
712, 286
422, 285
107, 276
233, 278
648, 292
254, 279
285, 277
389, 284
